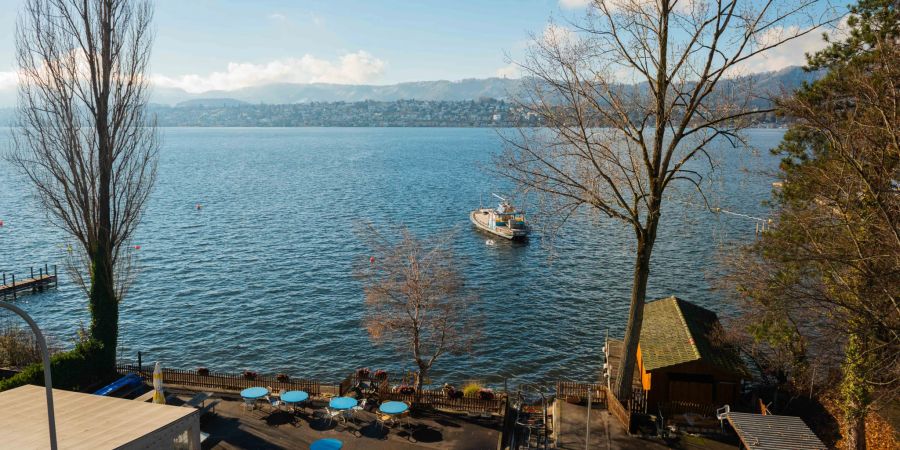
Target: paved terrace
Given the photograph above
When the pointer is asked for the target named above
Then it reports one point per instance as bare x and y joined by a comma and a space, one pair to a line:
231, 427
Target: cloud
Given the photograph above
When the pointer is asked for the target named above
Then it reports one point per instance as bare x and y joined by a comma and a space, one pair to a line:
790, 53
509, 71
554, 33
573, 4
8, 80
351, 68
278, 17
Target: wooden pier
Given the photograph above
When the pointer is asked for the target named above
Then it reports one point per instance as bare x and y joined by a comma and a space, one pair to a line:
37, 282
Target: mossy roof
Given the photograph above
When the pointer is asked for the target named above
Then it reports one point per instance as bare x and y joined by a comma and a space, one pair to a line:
675, 332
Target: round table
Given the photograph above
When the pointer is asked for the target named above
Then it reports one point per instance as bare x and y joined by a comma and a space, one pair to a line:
342, 403
254, 393
326, 444
294, 396
393, 408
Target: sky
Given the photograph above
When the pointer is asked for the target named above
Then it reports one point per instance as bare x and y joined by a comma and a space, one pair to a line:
205, 45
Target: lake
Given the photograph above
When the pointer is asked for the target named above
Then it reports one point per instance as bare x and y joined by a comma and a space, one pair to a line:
261, 277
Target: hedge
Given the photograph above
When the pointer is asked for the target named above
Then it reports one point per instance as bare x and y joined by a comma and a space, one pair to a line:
72, 370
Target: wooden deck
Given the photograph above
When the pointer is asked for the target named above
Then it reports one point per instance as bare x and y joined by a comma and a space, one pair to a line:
34, 283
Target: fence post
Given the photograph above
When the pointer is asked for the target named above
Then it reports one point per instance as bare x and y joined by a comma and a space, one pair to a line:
140, 366
14, 285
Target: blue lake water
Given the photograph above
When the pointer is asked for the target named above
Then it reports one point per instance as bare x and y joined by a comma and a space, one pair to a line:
261, 277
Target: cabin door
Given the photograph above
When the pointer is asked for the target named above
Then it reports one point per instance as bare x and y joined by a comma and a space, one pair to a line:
690, 391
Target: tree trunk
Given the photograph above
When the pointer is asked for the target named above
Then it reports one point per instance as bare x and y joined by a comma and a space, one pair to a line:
855, 392
104, 307
420, 379
645, 240
103, 302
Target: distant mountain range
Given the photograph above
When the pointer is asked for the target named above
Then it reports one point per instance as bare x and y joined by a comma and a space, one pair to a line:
766, 85
286, 93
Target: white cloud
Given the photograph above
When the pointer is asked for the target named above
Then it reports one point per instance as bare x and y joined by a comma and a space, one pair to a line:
509, 71
352, 68
554, 33
8, 80
574, 4
790, 53
278, 17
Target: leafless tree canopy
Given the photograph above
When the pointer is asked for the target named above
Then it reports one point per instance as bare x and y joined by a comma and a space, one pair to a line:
632, 95
83, 136
416, 299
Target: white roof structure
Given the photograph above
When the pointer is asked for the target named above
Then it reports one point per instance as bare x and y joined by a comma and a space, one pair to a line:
87, 421
770, 432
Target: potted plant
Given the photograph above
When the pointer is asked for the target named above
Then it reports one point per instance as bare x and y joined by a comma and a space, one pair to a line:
405, 389
381, 374
283, 378
486, 394
250, 375
451, 392
362, 373
203, 371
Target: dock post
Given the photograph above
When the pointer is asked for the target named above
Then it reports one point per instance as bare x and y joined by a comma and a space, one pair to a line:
4, 284
140, 366
40, 285
32, 273
14, 286
55, 277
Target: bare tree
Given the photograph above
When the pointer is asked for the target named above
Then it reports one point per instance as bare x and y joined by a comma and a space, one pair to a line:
84, 138
631, 98
416, 300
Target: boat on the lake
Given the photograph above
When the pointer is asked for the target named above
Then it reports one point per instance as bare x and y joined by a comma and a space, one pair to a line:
503, 221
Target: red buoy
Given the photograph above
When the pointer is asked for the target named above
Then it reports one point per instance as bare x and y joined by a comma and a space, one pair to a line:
372, 260
137, 247
1, 223
199, 207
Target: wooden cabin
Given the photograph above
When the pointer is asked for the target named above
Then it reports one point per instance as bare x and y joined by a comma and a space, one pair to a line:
681, 359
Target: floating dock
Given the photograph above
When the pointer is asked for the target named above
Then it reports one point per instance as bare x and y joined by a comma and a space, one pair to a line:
37, 282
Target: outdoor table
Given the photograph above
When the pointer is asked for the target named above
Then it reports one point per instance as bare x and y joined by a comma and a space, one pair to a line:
326, 444
342, 403
252, 394
393, 408
291, 398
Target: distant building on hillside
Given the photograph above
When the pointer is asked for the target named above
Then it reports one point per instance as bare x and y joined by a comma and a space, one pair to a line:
681, 358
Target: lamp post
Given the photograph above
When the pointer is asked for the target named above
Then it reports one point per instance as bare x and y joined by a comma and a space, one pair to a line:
45, 355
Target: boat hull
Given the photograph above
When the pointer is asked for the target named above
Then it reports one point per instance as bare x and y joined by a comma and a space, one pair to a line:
481, 219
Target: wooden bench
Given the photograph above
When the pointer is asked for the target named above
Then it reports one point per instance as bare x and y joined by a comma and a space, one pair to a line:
199, 402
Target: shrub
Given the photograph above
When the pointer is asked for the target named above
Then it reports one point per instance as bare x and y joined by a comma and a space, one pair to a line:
283, 377
202, 371
250, 375
362, 373
18, 347
471, 389
381, 374
76, 369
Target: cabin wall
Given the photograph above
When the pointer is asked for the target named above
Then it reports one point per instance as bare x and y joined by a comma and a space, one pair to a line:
692, 382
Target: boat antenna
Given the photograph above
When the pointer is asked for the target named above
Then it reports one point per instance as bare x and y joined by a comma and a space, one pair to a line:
501, 198
481, 201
